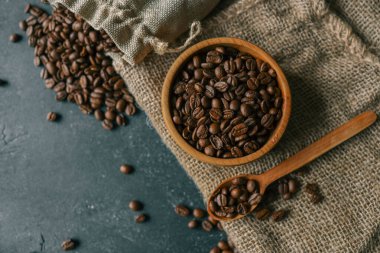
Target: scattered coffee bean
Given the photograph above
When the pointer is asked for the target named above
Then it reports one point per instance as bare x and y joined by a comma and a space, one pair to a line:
76, 66
52, 116
207, 226
313, 192
68, 245
235, 199
220, 226
225, 104
126, 169
223, 245
135, 205
215, 250
198, 213
278, 215
262, 214
15, 38
141, 218
182, 210
193, 224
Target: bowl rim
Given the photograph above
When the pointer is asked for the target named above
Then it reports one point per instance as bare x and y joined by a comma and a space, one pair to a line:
244, 46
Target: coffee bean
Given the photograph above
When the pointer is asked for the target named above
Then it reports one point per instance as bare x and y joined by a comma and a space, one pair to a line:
182, 210
223, 245
262, 214
198, 213
23, 25
15, 38
135, 205
126, 169
278, 215
99, 115
52, 116
207, 226
215, 250
292, 186
313, 192
69, 244
107, 124
220, 226
193, 224
141, 218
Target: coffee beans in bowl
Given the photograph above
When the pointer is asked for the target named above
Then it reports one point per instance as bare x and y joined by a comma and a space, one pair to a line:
227, 104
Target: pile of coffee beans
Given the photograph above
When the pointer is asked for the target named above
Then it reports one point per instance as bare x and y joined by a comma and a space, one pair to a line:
313, 192
75, 64
226, 103
236, 198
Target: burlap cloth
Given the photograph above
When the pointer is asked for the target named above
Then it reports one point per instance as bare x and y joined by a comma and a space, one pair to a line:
334, 74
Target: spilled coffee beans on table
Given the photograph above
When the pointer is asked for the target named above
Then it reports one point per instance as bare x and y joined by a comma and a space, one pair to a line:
226, 103
237, 198
75, 64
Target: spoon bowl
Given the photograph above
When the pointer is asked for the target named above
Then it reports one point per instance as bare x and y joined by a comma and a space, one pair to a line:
260, 182
303, 157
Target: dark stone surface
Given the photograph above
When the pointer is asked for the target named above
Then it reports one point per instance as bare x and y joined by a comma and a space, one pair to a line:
62, 180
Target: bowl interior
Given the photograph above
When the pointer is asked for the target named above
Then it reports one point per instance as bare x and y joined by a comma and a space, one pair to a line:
242, 46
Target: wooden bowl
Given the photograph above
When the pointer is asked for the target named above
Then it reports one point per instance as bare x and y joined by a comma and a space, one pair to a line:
243, 46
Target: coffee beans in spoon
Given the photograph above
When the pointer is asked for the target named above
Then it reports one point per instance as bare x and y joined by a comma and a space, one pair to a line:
236, 198
226, 103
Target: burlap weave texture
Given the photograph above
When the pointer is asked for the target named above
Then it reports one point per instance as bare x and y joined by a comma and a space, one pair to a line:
333, 76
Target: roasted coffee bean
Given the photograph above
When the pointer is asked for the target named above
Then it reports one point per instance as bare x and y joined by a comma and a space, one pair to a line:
193, 224
141, 218
313, 192
198, 213
15, 38
52, 116
69, 244
182, 210
233, 95
215, 250
126, 169
107, 124
207, 226
135, 205
99, 115
292, 186
278, 215
74, 59
262, 214
23, 25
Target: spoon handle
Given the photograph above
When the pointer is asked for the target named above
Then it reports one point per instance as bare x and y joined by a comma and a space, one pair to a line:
318, 148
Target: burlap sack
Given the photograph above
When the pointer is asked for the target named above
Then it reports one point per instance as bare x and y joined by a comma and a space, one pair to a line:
333, 77
138, 27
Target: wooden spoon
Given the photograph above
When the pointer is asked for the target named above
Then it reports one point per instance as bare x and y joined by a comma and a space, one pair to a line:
308, 154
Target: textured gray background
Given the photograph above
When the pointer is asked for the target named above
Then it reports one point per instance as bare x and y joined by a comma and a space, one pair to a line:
61, 180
